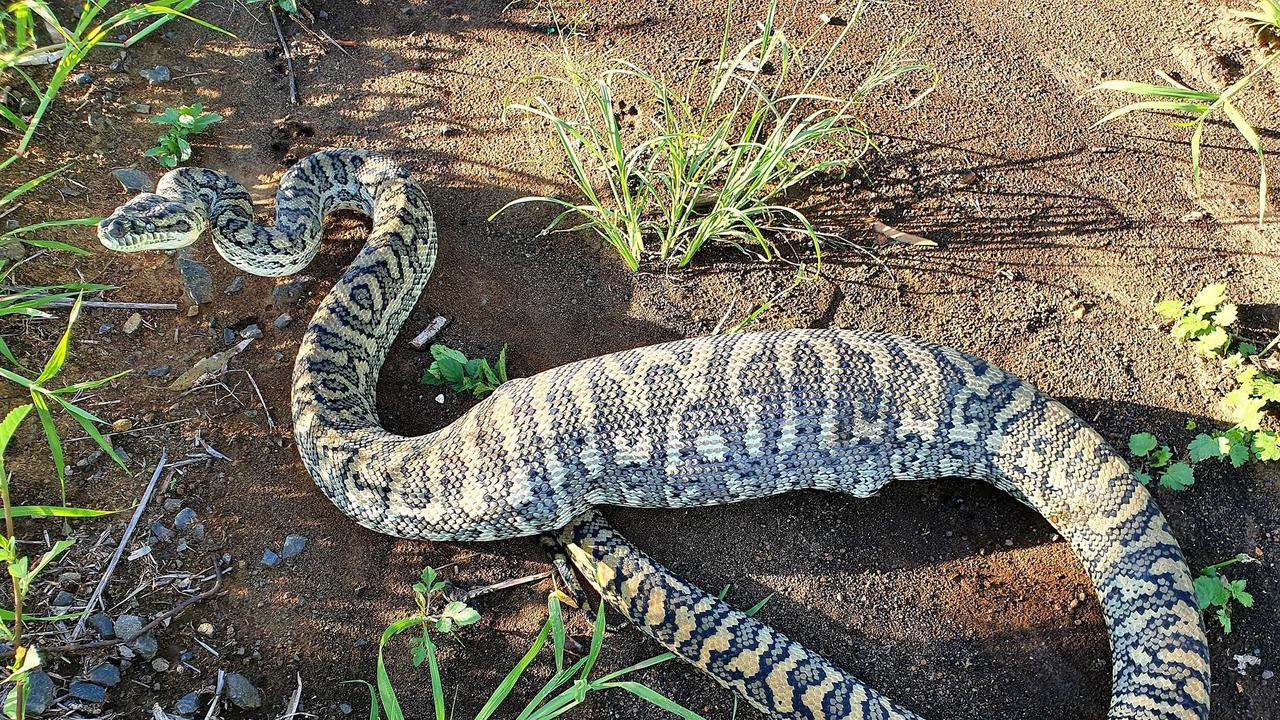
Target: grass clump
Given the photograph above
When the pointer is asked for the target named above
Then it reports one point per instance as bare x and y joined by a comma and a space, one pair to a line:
568, 687
718, 159
1215, 590
1199, 106
454, 370
173, 147
21, 23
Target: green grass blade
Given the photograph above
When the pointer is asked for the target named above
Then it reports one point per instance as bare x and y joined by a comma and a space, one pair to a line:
1188, 108
508, 683
1148, 90
656, 699
61, 511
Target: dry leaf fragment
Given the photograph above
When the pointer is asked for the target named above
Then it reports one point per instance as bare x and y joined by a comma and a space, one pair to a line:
892, 234
212, 365
1077, 309
1194, 216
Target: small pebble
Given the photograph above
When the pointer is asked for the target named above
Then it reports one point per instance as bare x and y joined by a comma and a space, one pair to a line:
251, 332
235, 286
187, 704
288, 293
83, 78
228, 336
134, 180
146, 644
196, 531
205, 629
102, 624
1267, 674
158, 371
161, 532
160, 665
196, 280
157, 74
87, 691
293, 545
172, 504
241, 692
270, 558
64, 599
281, 321
132, 324
184, 518
39, 693
105, 327
104, 674
345, 708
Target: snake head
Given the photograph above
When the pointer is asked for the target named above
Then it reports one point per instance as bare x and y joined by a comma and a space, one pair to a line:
151, 222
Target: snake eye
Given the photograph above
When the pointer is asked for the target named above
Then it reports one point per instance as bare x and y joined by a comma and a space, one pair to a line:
149, 226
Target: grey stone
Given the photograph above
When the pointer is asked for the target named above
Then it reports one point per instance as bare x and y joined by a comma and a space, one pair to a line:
157, 74
161, 532
293, 545
228, 336
39, 693
235, 286
184, 518
105, 327
102, 624
172, 504
158, 371
88, 692
270, 558
1267, 674
345, 708
241, 692
134, 180
197, 531
187, 704
83, 78
288, 293
146, 644
64, 599
281, 321
104, 674
253, 331
196, 279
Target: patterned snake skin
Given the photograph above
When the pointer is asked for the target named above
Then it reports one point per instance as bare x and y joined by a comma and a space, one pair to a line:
696, 422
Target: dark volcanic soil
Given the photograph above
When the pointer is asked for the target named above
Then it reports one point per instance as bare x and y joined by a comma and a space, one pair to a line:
950, 597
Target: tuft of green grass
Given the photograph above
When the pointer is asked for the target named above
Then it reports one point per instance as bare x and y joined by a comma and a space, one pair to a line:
721, 157
568, 687
1199, 106
1215, 590
460, 374
172, 147
21, 22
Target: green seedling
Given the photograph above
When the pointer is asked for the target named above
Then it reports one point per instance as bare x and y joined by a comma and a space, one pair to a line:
1157, 462
455, 371
173, 147
1215, 590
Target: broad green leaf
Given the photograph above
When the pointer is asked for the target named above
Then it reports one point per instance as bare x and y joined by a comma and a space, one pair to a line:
1161, 456
1209, 591
1169, 308
1204, 447
1210, 297
1266, 445
1212, 342
1142, 443
1179, 476
1226, 315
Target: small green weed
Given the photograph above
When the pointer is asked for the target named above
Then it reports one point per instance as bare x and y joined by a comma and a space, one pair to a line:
455, 371
720, 158
1209, 322
172, 147
1215, 590
1201, 105
567, 688
1157, 458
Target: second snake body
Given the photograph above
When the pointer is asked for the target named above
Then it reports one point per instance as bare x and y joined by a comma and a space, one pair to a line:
689, 423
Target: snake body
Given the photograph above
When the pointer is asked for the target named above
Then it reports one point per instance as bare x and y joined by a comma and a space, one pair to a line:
689, 423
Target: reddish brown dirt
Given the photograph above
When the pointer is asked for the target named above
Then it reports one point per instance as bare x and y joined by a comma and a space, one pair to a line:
948, 596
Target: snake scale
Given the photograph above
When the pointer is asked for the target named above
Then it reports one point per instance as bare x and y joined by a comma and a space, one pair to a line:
694, 422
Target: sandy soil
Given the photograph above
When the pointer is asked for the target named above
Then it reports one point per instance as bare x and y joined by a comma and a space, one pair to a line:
948, 596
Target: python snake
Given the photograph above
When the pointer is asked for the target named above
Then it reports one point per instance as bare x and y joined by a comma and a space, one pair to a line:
695, 422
